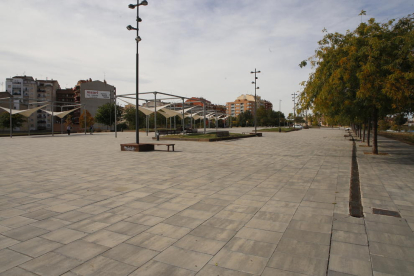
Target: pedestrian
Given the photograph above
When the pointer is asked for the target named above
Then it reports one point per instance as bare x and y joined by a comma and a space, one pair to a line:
91, 129
68, 130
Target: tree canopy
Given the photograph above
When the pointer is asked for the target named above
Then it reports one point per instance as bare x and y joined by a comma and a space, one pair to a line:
17, 120
363, 74
106, 114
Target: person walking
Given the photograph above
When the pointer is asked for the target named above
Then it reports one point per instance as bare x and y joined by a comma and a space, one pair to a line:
68, 130
91, 129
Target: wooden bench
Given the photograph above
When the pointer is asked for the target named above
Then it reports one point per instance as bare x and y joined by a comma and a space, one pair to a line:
168, 145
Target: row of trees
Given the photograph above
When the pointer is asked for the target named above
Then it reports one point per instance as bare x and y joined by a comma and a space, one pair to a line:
363, 75
264, 118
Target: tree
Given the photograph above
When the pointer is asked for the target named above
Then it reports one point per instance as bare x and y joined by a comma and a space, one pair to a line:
129, 116
363, 75
399, 120
106, 114
89, 119
17, 120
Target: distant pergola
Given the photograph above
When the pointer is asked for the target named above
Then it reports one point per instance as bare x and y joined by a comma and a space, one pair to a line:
169, 110
29, 111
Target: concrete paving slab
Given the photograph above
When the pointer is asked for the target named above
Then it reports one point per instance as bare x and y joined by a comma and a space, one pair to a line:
279, 188
161, 269
183, 258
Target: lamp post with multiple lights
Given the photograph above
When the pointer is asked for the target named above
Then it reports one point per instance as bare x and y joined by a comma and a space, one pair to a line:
294, 108
255, 72
137, 39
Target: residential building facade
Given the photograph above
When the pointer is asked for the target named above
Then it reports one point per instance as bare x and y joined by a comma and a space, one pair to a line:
245, 103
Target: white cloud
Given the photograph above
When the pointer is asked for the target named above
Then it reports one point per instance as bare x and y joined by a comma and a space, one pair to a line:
189, 47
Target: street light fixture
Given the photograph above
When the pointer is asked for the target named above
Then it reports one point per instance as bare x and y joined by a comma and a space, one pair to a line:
294, 108
137, 39
255, 100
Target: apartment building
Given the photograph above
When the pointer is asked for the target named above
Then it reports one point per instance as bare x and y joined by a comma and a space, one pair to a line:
245, 103
28, 93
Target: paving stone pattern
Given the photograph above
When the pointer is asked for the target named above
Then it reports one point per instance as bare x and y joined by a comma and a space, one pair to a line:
272, 205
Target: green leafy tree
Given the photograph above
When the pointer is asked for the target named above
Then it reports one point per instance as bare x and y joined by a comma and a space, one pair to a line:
400, 120
363, 75
129, 116
106, 114
17, 120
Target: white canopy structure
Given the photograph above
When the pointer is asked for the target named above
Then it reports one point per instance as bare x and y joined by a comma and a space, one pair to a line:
25, 113
60, 114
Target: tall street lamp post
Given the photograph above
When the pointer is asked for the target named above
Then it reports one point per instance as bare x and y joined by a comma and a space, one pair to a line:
294, 108
255, 72
280, 130
137, 39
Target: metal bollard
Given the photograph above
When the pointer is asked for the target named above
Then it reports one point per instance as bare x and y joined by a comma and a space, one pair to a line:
158, 135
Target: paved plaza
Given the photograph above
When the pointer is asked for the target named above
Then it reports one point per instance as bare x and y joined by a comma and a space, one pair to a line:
272, 205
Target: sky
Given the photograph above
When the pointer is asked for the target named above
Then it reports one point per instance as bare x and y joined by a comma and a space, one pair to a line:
191, 48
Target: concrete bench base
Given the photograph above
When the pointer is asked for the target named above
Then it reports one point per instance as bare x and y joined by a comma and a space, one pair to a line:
137, 147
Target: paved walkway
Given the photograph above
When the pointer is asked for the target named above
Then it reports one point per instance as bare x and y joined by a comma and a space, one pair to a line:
275, 205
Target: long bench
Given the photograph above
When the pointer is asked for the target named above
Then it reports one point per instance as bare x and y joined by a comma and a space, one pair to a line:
168, 145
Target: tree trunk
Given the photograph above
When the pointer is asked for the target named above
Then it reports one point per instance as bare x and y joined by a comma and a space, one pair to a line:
369, 132
363, 136
375, 134
360, 131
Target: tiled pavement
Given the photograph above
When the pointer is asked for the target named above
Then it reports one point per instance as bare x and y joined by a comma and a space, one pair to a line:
275, 205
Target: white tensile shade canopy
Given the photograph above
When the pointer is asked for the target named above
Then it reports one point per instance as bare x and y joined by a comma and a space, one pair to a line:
26, 112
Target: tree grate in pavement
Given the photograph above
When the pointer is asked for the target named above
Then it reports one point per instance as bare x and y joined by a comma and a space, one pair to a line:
383, 212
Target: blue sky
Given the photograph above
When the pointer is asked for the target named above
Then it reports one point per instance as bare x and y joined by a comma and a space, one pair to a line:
189, 47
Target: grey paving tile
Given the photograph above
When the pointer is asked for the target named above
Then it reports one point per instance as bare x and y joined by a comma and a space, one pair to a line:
239, 261
224, 223
40, 214
350, 266
348, 227
308, 236
88, 226
267, 225
158, 212
391, 266
17, 271
167, 230
106, 238
349, 237
389, 228
295, 247
400, 240
145, 219
6, 242
50, 224
186, 259
10, 259
161, 269
16, 222
24, 233
81, 250
35, 247
183, 221
392, 251
64, 235
298, 264
209, 270
273, 271
250, 247
127, 228
310, 226
151, 241
259, 235
50, 264
73, 216
130, 254
199, 244
214, 233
